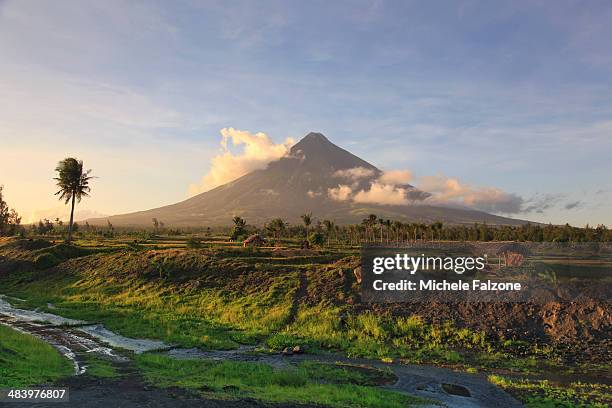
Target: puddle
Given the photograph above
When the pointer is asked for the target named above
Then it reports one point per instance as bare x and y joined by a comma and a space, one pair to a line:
35, 316
456, 389
116, 340
241, 354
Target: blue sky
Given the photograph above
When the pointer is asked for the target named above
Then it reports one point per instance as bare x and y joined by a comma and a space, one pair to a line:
516, 95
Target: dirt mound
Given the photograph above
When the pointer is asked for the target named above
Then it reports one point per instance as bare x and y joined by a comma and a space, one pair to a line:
583, 324
28, 244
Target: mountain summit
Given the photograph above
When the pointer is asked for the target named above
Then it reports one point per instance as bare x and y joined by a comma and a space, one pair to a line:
308, 179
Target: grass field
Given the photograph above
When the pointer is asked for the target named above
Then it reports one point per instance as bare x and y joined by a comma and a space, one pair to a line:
221, 296
255, 380
26, 360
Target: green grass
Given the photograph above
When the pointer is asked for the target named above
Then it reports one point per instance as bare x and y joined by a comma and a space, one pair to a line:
26, 360
255, 380
100, 367
344, 373
544, 394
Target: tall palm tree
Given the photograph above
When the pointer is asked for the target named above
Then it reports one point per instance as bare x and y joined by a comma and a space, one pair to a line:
307, 219
329, 228
73, 185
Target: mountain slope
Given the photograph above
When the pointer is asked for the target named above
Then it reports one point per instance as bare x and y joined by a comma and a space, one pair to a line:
294, 185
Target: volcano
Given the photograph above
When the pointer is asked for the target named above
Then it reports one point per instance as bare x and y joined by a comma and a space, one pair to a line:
299, 183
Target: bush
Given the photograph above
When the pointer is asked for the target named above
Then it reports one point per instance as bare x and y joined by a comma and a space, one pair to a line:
316, 238
45, 261
194, 243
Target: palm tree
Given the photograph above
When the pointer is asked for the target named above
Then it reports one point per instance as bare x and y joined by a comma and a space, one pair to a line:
369, 223
239, 228
73, 185
329, 228
277, 226
397, 226
307, 219
388, 225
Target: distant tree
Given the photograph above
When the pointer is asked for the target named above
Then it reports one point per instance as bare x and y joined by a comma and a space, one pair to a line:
9, 219
369, 224
73, 185
239, 228
44, 227
388, 224
307, 219
155, 225
437, 227
316, 239
276, 227
329, 229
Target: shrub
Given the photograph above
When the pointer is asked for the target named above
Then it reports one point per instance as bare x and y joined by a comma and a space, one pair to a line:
45, 261
194, 243
316, 238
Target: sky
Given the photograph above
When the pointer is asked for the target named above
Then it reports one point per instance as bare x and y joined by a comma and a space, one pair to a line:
511, 96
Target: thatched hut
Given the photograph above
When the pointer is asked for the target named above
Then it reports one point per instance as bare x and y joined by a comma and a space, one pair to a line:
513, 253
254, 240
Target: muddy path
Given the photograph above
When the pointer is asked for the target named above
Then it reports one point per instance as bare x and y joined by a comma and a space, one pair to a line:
75, 339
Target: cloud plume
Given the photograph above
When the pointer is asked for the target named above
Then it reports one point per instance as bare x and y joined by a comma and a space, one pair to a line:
396, 177
340, 193
380, 193
355, 173
257, 151
446, 190
390, 188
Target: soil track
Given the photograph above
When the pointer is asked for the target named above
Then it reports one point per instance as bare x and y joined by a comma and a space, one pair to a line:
299, 295
129, 391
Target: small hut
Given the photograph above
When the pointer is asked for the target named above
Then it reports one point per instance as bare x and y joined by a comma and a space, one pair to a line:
513, 253
254, 240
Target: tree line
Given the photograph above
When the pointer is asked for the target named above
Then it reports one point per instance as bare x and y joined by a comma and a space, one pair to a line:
374, 229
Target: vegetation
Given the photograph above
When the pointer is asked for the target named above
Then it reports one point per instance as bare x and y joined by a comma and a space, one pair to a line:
26, 360
100, 368
544, 394
239, 230
254, 380
73, 184
10, 221
220, 295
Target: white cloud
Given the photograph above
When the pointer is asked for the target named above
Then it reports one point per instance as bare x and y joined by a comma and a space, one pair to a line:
355, 173
446, 190
340, 193
388, 190
258, 151
385, 194
396, 177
